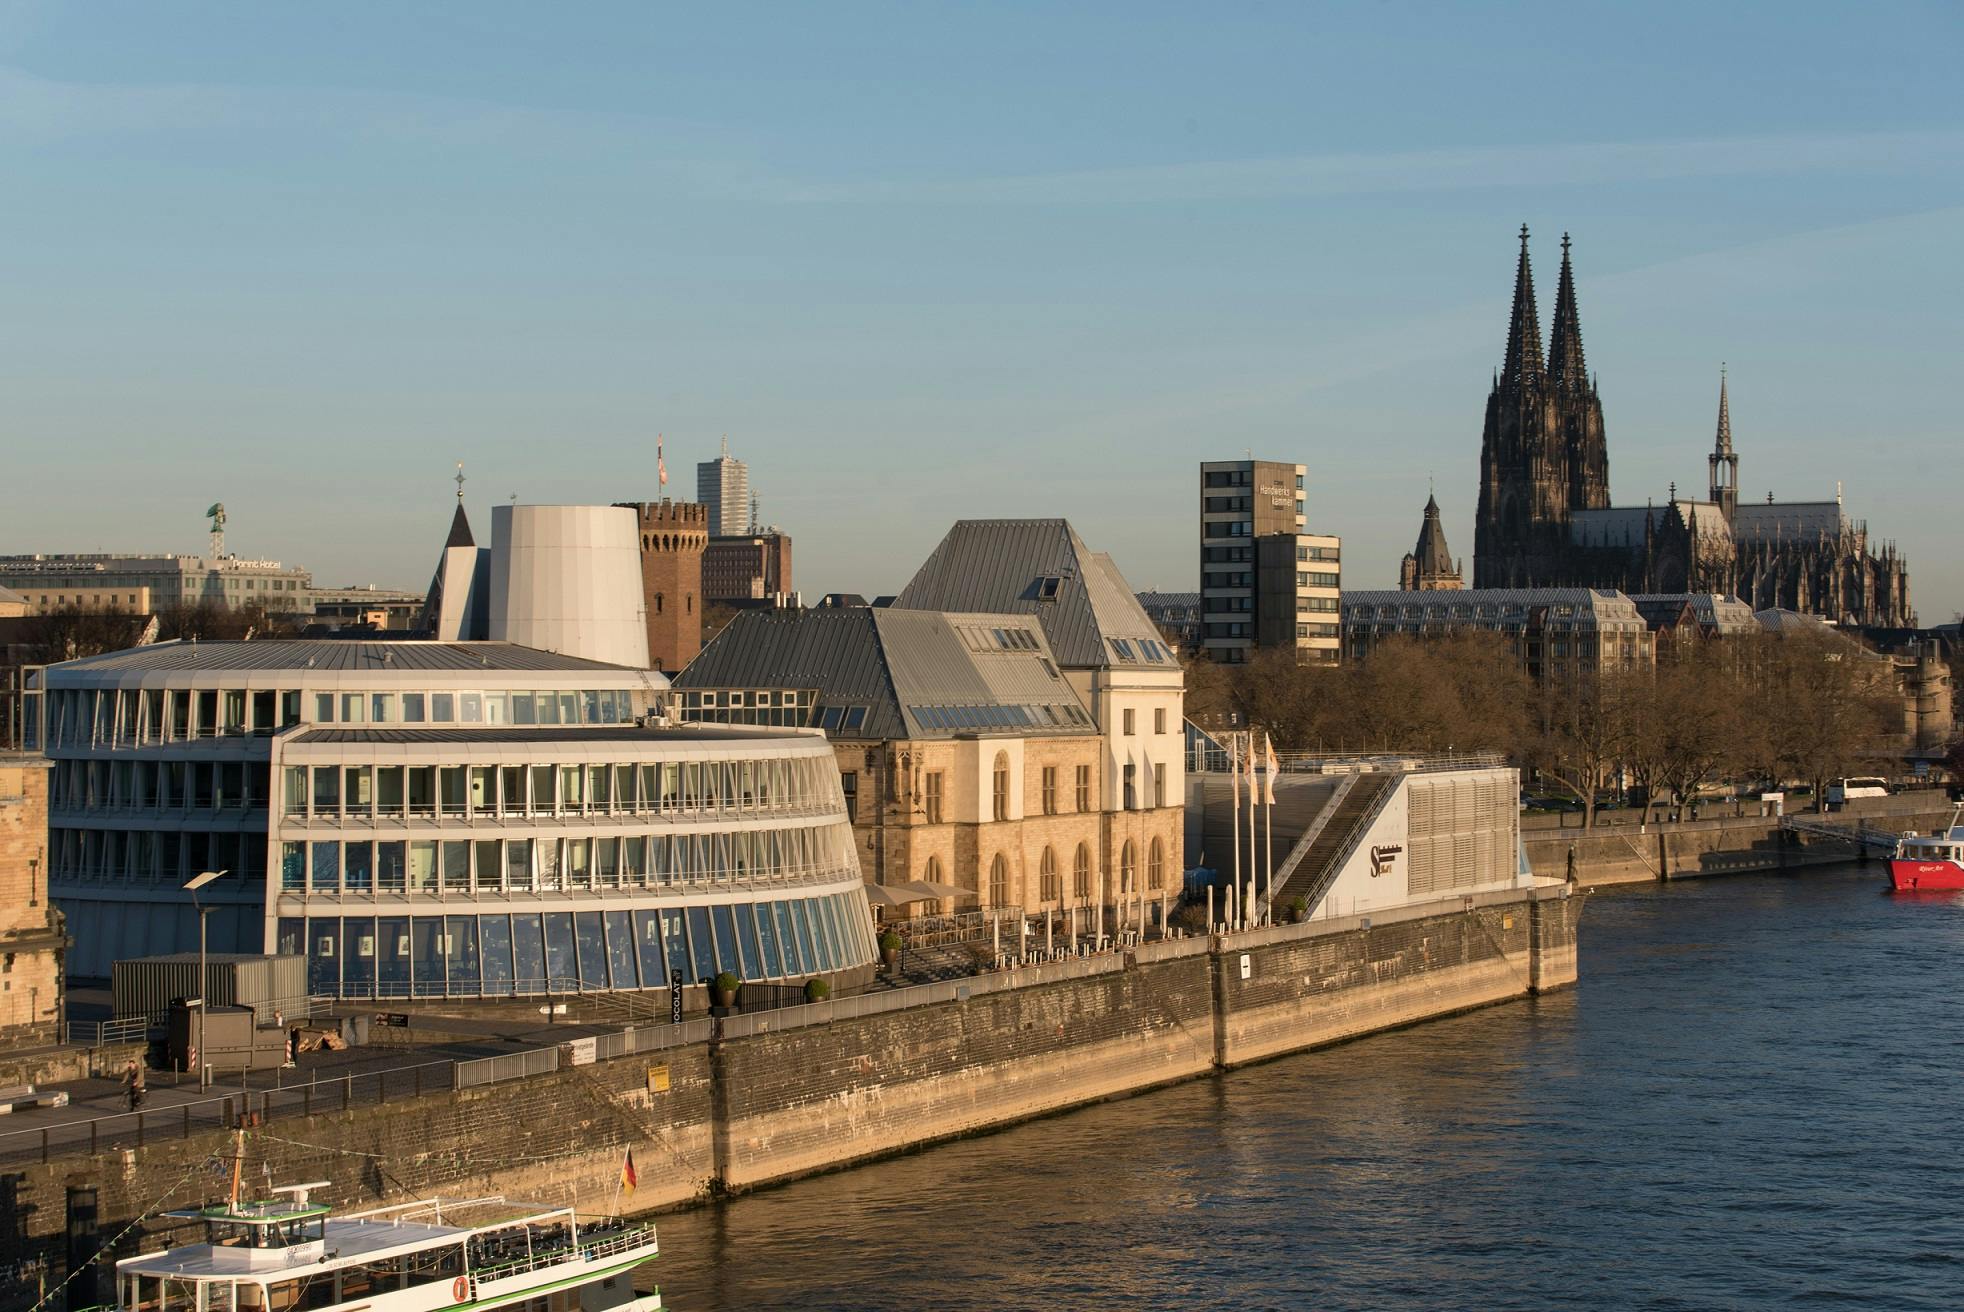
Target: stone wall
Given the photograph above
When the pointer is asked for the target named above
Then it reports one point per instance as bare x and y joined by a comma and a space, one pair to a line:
32, 940
763, 1103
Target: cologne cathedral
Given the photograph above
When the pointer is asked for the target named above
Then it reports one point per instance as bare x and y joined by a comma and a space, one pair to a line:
1545, 518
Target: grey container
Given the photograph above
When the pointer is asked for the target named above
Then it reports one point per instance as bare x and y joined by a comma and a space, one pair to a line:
146, 986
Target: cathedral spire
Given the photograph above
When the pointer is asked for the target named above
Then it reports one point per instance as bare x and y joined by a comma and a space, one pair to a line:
1524, 329
1725, 418
1724, 464
1565, 363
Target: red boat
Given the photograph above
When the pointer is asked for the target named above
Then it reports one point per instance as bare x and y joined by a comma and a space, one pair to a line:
1930, 863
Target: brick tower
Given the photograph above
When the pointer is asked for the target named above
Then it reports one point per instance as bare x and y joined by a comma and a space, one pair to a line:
673, 537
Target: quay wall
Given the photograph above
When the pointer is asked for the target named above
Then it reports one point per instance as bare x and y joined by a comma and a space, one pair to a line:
1623, 853
766, 1100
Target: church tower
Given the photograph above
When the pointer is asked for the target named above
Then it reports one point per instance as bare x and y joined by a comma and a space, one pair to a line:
1580, 412
1521, 527
1429, 566
1724, 464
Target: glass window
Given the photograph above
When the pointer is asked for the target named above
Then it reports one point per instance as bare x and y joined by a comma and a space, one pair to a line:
354, 708
569, 708
422, 867
470, 707
702, 946
443, 710
528, 947
620, 952
389, 865
829, 910
495, 935
358, 960
412, 708
590, 936
382, 707
463, 954
360, 866
753, 961
561, 962
787, 939
323, 708
801, 916
327, 790
490, 864
773, 963
327, 867
727, 957
521, 710
292, 935
647, 943
324, 955
456, 867
518, 863
428, 941
392, 975
388, 789
358, 787
293, 867
675, 945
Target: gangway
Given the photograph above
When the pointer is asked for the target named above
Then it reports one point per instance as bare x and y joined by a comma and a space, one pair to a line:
1863, 837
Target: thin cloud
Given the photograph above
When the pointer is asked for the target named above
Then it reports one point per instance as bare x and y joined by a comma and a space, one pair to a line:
1430, 170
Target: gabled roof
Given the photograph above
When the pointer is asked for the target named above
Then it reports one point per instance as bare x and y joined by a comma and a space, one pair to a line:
1040, 567
913, 673
1712, 611
1788, 521
1611, 526
1431, 553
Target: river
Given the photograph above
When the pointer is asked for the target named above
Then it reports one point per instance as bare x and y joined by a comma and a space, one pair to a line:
1754, 1099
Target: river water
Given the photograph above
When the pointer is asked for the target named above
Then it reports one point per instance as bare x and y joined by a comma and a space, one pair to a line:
1754, 1099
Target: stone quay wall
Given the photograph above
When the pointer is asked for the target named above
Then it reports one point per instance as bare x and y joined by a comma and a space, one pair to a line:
769, 1099
1626, 853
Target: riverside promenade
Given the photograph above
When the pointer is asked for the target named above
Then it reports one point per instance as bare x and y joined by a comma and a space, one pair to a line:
1726, 838
719, 1106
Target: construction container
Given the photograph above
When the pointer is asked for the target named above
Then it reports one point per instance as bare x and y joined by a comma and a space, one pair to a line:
233, 1040
146, 986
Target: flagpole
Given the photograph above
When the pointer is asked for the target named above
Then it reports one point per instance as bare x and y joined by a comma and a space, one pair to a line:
1268, 830
1254, 862
620, 1178
1234, 825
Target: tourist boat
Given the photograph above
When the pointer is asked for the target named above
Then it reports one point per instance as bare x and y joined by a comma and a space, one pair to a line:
291, 1254
1926, 863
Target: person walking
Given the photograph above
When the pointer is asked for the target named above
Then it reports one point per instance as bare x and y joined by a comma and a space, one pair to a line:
133, 1077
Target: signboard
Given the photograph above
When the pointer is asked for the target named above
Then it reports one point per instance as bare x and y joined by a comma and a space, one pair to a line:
675, 997
1247, 966
585, 1051
392, 1019
1384, 858
658, 1079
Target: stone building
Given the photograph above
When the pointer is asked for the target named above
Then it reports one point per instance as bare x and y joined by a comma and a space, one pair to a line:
33, 940
1429, 566
966, 757
1545, 519
751, 567
1557, 631
674, 540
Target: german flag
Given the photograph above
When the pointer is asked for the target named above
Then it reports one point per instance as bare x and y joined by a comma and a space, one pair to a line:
628, 1178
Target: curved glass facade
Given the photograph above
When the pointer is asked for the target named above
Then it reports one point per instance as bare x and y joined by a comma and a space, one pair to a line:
424, 819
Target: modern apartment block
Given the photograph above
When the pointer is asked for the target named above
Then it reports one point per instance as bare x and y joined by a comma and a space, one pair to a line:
723, 484
1264, 581
752, 567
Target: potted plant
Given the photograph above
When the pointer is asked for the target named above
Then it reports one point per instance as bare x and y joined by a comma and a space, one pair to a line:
817, 990
889, 949
726, 986
1299, 908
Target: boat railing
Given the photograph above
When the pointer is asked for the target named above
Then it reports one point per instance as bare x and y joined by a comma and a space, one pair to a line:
597, 1248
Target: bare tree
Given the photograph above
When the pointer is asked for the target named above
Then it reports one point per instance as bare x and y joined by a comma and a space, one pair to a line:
1836, 707
1582, 732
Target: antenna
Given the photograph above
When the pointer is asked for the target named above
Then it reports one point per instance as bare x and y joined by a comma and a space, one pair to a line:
216, 514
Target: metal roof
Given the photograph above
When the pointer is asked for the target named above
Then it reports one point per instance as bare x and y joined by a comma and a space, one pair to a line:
12, 598
1777, 521
915, 673
604, 733
1711, 610
1038, 567
1611, 526
334, 655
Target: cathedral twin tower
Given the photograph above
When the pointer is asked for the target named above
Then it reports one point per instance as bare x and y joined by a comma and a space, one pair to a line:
1543, 454
1545, 518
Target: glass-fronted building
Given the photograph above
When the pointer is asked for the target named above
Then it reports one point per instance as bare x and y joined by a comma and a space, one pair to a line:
440, 819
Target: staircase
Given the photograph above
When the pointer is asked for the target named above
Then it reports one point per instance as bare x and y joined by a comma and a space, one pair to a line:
1313, 864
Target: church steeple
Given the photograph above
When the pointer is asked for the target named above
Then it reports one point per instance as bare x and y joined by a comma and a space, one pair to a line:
1724, 464
1565, 364
1524, 329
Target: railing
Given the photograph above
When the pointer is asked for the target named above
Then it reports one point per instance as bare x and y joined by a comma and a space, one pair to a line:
596, 1250
98, 1134
102, 1033
1333, 864
505, 1066
1206, 756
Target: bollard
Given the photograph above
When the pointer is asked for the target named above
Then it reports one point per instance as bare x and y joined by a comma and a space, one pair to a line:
347, 1091
187, 1121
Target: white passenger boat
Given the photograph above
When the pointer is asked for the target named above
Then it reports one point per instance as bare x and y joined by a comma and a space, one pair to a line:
292, 1253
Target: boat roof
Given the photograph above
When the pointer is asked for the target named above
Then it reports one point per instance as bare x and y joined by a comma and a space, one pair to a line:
360, 1237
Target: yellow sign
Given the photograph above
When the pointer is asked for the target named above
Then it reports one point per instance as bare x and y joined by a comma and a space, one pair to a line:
658, 1079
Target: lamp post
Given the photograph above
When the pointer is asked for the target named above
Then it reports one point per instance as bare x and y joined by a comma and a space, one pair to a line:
192, 886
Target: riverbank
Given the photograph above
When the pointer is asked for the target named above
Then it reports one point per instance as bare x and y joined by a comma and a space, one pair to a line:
1625, 853
766, 1100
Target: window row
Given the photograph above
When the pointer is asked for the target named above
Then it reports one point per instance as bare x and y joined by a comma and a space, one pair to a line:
142, 856
552, 865
98, 717
157, 785
424, 956
363, 791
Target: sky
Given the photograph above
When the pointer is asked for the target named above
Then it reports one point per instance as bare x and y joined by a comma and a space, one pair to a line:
920, 262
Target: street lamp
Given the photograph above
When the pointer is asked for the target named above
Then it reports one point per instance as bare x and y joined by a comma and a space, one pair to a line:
192, 886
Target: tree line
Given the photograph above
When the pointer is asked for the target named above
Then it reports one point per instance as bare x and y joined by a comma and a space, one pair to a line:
1755, 710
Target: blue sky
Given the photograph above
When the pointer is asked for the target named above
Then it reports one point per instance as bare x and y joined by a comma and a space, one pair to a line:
921, 262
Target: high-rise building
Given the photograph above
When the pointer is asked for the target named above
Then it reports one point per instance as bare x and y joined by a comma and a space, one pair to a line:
1264, 582
752, 567
723, 484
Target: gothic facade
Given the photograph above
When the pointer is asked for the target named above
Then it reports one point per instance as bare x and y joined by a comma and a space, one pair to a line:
1429, 566
1545, 518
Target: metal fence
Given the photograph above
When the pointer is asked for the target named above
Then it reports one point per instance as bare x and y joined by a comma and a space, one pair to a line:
224, 1110
505, 1066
